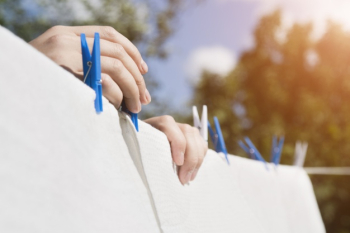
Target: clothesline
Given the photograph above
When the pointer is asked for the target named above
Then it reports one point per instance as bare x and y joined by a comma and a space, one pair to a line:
328, 170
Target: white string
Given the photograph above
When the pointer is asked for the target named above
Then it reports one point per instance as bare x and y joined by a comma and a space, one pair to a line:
328, 170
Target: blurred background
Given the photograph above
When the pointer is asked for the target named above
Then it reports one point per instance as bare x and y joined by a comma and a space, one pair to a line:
263, 67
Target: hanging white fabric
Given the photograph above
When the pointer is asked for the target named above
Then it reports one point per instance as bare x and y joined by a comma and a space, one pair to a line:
64, 168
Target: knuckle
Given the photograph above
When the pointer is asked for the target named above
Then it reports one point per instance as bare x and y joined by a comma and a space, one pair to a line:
135, 52
139, 81
181, 141
165, 122
109, 31
166, 119
192, 162
119, 49
57, 40
117, 65
106, 80
188, 129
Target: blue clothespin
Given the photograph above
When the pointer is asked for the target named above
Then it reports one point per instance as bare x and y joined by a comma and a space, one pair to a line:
246, 149
276, 150
92, 74
132, 115
135, 121
92, 68
217, 138
251, 150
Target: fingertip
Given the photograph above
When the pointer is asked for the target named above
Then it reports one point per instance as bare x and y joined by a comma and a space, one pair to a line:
143, 67
148, 96
179, 158
138, 107
194, 174
182, 158
104, 77
185, 176
143, 100
133, 107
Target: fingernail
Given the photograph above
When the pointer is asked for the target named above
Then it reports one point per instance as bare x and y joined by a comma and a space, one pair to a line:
188, 177
144, 67
139, 107
194, 174
181, 158
148, 97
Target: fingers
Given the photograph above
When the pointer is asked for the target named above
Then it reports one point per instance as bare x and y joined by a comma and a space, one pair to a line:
116, 70
110, 34
194, 154
114, 50
202, 151
187, 146
111, 90
123, 60
177, 141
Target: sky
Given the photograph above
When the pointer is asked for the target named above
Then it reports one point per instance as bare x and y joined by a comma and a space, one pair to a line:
212, 34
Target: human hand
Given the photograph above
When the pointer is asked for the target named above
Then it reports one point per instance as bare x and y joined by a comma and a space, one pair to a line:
188, 148
121, 63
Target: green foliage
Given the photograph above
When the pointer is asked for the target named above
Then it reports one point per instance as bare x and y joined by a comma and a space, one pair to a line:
277, 89
134, 19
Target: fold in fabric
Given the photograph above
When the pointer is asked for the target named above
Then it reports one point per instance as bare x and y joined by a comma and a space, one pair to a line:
64, 168
241, 197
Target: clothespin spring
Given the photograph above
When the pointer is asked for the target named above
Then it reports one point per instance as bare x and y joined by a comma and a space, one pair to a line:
89, 63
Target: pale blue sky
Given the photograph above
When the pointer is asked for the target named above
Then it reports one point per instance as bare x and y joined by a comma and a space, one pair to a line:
230, 24
211, 23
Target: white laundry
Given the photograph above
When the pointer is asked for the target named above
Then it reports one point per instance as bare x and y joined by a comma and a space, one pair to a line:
63, 168
241, 197
282, 197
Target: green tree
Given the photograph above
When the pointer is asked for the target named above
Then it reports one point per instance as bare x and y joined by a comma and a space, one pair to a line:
297, 87
134, 19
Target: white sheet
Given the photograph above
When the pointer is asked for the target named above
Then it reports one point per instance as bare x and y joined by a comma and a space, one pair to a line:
63, 168
242, 197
